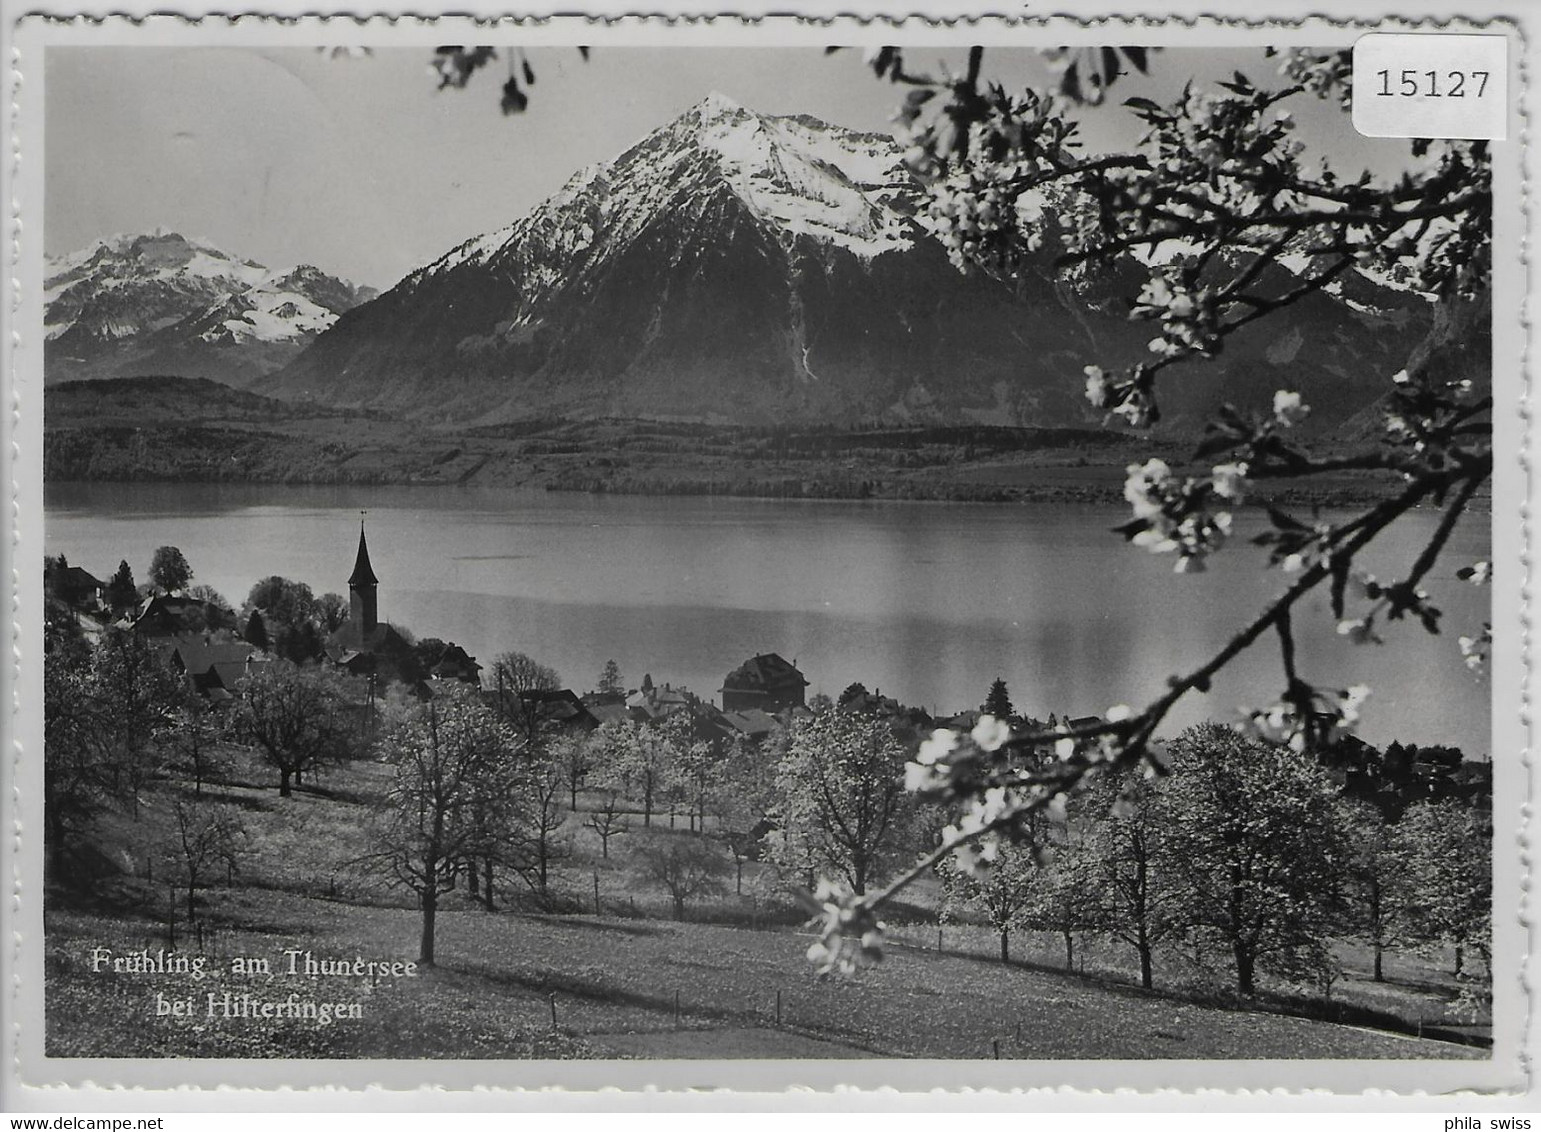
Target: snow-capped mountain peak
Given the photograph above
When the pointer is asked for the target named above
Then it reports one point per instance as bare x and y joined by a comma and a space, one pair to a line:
163, 292
799, 177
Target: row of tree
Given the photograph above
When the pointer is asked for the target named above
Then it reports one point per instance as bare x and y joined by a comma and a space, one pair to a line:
1246, 849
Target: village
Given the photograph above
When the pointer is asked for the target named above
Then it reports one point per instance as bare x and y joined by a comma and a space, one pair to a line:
449, 787
195, 632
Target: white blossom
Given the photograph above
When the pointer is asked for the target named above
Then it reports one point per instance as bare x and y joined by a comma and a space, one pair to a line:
1229, 481
941, 744
1359, 630
1097, 387
1288, 409
989, 733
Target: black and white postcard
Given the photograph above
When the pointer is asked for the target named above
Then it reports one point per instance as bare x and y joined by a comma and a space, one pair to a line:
769, 553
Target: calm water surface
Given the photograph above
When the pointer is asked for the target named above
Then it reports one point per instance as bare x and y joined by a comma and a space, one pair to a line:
925, 602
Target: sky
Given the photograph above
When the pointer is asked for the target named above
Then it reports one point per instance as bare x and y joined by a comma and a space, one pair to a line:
361, 167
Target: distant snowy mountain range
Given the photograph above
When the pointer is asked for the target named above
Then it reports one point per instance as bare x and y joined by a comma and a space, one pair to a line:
730, 267
163, 303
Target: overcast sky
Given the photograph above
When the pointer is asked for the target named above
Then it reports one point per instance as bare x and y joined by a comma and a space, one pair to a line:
359, 166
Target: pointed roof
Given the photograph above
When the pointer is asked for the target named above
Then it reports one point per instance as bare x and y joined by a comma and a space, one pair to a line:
363, 573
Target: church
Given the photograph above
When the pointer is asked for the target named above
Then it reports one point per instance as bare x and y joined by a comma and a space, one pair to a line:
363, 644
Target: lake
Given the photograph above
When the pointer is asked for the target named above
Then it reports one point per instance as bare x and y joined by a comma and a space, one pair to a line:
926, 602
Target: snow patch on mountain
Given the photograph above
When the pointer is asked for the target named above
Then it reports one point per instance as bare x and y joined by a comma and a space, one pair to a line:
798, 176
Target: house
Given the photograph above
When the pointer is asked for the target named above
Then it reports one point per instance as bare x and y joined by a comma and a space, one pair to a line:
766, 682
172, 615
753, 724
363, 644
214, 667
651, 703
607, 707
455, 663
77, 588
561, 710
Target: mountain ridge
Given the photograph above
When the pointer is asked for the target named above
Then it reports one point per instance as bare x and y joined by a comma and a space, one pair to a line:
161, 302
735, 267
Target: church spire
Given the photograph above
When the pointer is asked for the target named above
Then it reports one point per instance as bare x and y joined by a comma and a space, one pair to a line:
363, 573
363, 603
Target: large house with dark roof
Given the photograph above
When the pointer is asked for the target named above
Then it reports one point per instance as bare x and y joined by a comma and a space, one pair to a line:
215, 668
767, 682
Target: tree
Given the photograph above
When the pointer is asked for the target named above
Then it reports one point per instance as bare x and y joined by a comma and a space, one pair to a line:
840, 796
853, 691
122, 593
608, 821
1127, 869
1005, 892
640, 756
698, 774
77, 762
290, 617
514, 677
610, 682
210, 596
534, 837
452, 759
297, 717
201, 837
745, 811
138, 697
331, 611
998, 702
256, 631
686, 867
1195, 225
1446, 850
515, 672
169, 571
1381, 890
1258, 851
1063, 901
575, 755
194, 733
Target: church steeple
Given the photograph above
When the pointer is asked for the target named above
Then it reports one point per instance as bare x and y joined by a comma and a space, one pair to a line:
363, 603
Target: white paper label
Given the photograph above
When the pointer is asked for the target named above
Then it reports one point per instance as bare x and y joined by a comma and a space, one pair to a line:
1431, 86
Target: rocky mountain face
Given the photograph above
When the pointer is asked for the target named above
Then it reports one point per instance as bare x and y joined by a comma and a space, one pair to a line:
164, 304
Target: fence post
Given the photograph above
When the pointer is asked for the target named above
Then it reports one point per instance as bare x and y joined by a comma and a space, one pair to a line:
596, 894
676, 1010
939, 937
778, 1008
995, 1044
552, 999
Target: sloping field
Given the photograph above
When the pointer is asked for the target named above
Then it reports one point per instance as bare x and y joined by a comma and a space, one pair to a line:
633, 988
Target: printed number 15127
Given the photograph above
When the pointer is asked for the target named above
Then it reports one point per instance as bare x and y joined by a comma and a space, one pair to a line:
1432, 84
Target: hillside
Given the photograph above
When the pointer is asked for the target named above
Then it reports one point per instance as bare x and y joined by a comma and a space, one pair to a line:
187, 430
730, 982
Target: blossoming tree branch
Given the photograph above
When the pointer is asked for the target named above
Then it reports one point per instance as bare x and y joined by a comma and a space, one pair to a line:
1219, 190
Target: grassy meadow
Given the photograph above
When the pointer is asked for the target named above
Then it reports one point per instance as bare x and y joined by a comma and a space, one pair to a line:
553, 979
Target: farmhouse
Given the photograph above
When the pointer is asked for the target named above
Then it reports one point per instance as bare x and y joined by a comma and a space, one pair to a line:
767, 682
213, 667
